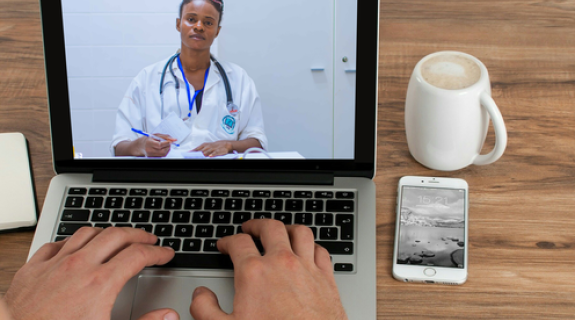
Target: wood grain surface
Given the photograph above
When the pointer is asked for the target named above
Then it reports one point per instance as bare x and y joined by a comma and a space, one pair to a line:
522, 208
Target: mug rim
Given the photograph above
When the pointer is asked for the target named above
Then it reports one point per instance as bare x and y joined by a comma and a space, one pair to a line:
472, 87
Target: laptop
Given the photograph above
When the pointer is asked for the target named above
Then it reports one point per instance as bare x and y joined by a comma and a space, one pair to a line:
314, 67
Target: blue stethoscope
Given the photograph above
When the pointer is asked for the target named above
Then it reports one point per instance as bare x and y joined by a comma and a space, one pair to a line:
232, 108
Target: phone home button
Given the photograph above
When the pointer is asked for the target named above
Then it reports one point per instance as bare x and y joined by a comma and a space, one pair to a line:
429, 272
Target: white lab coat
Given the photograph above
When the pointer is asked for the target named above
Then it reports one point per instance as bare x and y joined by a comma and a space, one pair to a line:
140, 108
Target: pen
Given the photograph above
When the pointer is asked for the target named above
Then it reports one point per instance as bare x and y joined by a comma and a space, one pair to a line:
152, 136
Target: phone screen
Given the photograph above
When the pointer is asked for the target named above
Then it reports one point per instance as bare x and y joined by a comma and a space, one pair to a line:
432, 227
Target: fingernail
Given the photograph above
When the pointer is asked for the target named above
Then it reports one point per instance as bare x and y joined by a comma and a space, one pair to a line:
198, 291
171, 316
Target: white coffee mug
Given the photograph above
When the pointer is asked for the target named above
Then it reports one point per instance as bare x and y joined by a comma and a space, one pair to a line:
447, 112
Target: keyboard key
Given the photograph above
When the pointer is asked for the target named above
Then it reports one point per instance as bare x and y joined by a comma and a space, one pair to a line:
138, 192
123, 225
314, 231
98, 191
314, 205
172, 243
211, 246
192, 245
335, 247
68, 229
345, 195
201, 217
222, 217
233, 204
80, 191
159, 192
220, 193
213, 204
340, 205
60, 238
94, 202
200, 193
74, 202
163, 230
101, 215
224, 231
179, 193
174, 203
241, 217
304, 218
114, 203
204, 231
294, 205
146, 227
161, 216
103, 225
120, 216
303, 194
324, 219
343, 267
282, 194
118, 192
262, 215
240, 193
254, 205
76, 215
261, 194
345, 221
153, 203
184, 230
181, 216
141, 216
328, 234
324, 194
133, 203
274, 205
199, 261
194, 203
284, 217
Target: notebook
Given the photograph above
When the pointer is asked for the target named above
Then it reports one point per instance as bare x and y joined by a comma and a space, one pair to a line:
300, 96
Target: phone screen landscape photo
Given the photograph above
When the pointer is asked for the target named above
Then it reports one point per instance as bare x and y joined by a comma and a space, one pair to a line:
432, 227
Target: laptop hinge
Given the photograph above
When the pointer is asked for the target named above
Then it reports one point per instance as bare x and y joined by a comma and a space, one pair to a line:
214, 177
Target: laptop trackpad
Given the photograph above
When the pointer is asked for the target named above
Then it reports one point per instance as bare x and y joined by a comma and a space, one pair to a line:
156, 292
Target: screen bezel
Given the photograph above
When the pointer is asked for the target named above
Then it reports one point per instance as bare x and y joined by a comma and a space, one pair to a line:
365, 124
410, 272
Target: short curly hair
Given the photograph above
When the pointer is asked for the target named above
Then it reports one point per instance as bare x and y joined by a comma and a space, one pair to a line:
218, 4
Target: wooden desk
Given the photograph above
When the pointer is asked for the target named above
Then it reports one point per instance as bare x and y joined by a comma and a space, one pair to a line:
522, 208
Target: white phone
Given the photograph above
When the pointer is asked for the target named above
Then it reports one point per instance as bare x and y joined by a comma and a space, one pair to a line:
431, 230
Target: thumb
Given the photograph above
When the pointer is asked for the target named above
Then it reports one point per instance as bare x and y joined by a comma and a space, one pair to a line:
205, 305
161, 314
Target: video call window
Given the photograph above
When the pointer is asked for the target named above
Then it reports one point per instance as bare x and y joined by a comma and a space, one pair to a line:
291, 73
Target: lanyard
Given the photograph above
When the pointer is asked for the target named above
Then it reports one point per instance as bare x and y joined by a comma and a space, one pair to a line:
190, 99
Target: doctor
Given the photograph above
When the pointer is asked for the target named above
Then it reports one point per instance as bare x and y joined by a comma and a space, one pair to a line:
193, 92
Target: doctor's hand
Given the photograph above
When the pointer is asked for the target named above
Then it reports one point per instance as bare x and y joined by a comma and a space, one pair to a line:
145, 147
292, 280
81, 277
218, 148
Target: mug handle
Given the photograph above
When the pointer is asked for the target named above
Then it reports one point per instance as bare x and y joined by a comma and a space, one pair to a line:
499, 128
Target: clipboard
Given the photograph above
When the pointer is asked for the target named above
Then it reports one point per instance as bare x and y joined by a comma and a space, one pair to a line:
18, 208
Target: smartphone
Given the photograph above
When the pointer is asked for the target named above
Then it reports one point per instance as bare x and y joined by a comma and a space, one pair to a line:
431, 230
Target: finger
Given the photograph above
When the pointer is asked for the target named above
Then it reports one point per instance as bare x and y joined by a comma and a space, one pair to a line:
205, 305
79, 240
302, 242
161, 314
133, 259
323, 260
47, 251
272, 234
112, 240
200, 148
239, 247
165, 137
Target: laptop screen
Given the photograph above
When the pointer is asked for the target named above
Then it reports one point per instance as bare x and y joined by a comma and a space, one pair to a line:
211, 79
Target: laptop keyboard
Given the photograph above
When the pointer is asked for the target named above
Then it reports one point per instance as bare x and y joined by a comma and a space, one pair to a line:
192, 220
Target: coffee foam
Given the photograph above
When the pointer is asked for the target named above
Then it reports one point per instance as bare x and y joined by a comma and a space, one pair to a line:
450, 71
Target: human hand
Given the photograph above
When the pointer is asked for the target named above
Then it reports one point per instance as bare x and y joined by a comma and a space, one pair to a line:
81, 277
152, 147
218, 148
292, 280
